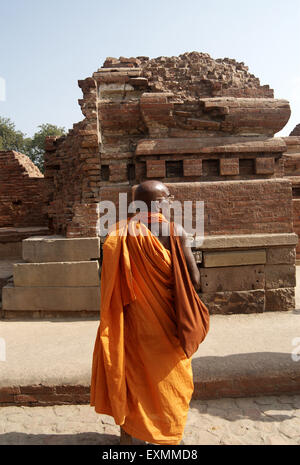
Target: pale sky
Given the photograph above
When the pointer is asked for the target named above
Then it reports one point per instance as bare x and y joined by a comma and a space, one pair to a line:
47, 45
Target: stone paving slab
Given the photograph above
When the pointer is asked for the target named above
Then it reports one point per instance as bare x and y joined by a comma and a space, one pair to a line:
242, 355
245, 421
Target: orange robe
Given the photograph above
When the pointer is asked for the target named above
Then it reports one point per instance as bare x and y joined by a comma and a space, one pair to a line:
140, 373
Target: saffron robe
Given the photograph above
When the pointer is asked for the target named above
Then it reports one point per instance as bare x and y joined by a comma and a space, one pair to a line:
140, 373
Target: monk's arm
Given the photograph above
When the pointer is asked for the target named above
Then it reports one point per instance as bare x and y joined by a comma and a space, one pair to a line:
189, 257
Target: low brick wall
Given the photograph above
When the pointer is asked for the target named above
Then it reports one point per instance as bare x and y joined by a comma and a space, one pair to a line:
22, 202
242, 386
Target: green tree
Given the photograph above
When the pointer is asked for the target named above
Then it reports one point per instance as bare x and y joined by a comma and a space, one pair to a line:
33, 147
10, 138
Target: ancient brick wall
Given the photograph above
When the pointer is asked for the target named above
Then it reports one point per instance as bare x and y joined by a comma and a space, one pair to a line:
22, 202
195, 74
181, 120
291, 163
72, 173
296, 131
241, 207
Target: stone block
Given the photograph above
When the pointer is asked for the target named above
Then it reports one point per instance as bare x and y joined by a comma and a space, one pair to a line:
264, 165
10, 250
118, 172
229, 166
280, 299
234, 258
278, 255
51, 298
57, 274
278, 276
234, 302
292, 165
246, 240
156, 168
192, 167
43, 249
186, 145
234, 278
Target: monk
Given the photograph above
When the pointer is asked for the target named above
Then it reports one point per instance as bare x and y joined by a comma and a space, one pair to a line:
141, 376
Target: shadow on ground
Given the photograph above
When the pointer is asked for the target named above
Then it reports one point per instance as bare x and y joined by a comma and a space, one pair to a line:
57, 439
258, 368
20, 439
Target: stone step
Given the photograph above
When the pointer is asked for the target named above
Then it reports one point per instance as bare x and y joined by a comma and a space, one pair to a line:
51, 298
62, 274
43, 249
6, 273
242, 355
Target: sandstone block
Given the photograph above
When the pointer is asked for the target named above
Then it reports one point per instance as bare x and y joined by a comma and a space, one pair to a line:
193, 145
280, 299
57, 274
292, 165
246, 240
234, 302
280, 276
234, 278
156, 168
284, 255
118, 172
43, 249
51, 298
234, 257
229, 166
264, 165
192, 167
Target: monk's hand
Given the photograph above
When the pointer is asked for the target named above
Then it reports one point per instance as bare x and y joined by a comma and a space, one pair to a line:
186, 242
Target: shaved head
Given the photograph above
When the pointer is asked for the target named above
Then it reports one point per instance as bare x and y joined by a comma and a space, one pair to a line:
149, 191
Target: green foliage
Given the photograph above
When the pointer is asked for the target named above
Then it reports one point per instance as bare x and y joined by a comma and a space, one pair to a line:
12, 139
35, 148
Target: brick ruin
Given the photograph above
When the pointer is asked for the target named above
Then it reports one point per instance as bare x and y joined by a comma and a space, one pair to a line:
180, 119
23, 210
291, 161
21, 192
206, 128
296, 131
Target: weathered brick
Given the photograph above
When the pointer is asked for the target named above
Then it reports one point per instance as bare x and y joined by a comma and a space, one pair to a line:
118, 172
281, 255
24, 398
229, 166
234, 302
21, 192
278, 276
280, 299
37, 389
192, 167
68, 389
233, 278
264, 165
156, 169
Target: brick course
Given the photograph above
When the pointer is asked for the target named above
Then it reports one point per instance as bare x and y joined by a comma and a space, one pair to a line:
22, 202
